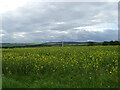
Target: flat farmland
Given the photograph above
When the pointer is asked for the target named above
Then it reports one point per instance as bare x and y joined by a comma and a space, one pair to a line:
60, 67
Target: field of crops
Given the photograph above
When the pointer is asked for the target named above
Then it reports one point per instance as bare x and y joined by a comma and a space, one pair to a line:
60, 67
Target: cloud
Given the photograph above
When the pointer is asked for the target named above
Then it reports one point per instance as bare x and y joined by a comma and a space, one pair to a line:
60, 23
96, 28
57, 21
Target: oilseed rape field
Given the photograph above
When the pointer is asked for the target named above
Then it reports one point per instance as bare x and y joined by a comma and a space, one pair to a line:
60, 67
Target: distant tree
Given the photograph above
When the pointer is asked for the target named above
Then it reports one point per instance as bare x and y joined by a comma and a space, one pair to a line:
116, 42
111, 43
105, 43
91, 43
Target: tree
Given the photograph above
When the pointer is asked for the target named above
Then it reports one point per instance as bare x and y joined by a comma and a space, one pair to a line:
111, 43
105, 43
90, 43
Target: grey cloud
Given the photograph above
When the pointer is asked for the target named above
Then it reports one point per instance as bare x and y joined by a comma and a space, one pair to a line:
45, 16
51, 35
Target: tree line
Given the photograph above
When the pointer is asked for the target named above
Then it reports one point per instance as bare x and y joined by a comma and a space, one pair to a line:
91, 43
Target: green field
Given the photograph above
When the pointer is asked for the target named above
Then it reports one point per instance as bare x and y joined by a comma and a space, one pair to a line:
17, 44
60, 67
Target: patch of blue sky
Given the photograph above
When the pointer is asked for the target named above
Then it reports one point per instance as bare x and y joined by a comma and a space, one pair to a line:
112, 27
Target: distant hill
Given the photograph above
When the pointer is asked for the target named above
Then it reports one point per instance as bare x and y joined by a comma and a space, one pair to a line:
49, 44
55, 44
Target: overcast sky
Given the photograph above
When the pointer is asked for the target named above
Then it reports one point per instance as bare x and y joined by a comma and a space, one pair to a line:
36, 22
